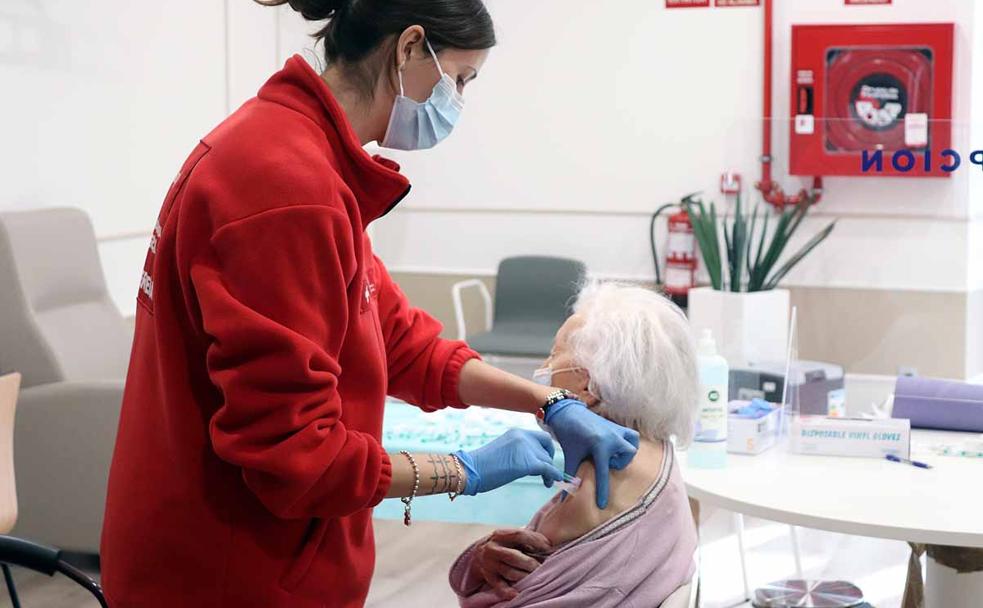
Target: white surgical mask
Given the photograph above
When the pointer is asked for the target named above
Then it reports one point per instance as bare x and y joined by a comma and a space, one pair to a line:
417, 126
544, 375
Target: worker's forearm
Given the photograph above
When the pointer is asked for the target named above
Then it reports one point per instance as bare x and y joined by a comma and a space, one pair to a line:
479, 384
482, 384
438, 475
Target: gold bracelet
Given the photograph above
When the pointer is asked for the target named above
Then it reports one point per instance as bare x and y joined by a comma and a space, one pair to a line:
460, 479
406, 500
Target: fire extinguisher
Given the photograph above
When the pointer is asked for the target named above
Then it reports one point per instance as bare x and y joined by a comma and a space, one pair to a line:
680, 255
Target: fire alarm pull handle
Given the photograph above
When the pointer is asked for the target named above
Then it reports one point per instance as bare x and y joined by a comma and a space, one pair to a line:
805, 101
805, 121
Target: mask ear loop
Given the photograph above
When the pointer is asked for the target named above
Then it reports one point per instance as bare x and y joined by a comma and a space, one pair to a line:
594, 391
399, 75
457, 98
435, 60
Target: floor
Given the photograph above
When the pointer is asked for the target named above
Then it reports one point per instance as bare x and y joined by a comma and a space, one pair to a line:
878, 567
412, 565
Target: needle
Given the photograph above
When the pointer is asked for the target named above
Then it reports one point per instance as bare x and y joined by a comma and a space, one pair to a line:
570, 484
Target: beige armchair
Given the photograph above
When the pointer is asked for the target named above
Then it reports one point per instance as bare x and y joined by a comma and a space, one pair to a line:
18, 551
61, 331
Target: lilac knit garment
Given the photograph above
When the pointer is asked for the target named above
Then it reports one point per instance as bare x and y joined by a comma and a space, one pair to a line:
635, 560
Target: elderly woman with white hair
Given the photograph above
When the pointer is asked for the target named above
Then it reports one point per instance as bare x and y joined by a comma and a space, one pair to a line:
627, 353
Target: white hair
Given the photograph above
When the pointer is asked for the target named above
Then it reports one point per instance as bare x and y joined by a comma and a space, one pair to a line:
639, 351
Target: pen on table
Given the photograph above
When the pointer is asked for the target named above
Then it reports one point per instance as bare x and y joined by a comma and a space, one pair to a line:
914, 463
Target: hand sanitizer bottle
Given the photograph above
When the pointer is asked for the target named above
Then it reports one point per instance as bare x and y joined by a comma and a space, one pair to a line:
709, 449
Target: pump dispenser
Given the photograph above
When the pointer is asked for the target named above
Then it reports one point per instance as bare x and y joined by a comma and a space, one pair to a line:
707, 346
709, 449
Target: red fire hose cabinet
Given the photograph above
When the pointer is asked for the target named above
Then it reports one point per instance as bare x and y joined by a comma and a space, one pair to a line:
858, 88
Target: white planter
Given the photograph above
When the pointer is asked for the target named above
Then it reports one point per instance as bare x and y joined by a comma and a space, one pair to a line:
748, 327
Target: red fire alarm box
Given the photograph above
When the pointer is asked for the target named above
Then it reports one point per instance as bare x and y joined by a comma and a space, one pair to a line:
863, 89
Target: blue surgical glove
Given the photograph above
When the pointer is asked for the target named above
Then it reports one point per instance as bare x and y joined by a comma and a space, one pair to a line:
517, 453
583, 434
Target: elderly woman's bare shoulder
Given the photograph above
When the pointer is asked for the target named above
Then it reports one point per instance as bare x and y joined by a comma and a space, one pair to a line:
578, 513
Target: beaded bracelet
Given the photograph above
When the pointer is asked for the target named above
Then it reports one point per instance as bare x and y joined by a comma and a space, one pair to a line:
460, 479
406, 500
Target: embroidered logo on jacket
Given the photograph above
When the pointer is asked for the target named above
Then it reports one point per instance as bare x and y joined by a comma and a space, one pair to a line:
145, 296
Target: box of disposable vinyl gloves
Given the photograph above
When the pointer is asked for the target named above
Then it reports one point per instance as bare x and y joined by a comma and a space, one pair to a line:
824, 436
752, 426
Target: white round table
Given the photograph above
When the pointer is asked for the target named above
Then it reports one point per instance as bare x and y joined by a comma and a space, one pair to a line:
860, 496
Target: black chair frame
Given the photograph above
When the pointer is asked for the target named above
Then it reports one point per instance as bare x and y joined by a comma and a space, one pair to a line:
46, 560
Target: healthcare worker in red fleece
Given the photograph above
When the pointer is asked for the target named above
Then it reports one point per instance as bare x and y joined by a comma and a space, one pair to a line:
268, 335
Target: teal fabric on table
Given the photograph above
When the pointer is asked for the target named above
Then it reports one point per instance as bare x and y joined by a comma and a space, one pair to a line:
408, 428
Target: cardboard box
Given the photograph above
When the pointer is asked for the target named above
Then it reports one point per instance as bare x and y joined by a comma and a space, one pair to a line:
752, 435
825, 436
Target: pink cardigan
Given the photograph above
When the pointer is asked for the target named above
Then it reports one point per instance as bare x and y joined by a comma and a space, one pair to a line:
635, 560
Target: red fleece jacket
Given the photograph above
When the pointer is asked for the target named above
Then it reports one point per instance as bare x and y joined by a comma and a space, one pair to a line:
248, 458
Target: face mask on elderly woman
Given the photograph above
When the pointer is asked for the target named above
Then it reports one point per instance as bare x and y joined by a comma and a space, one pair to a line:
544, 375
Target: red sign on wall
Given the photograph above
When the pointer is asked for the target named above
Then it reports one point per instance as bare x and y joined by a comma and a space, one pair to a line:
738, 3
687, 3
854, 2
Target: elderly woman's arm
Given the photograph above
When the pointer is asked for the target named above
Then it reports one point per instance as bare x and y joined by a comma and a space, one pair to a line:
498, 561
576, 514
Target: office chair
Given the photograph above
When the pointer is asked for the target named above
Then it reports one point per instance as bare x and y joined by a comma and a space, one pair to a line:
15, 550
533, 295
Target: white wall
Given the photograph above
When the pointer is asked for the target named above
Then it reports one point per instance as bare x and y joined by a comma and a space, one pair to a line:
583, 120
100, 98
581, 107
539, 133
103, 99
260, 40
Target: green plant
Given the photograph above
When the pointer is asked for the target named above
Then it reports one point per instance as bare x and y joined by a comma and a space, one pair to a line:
740, 237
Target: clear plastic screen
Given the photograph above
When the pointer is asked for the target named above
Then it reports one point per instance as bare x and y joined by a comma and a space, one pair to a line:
790, 391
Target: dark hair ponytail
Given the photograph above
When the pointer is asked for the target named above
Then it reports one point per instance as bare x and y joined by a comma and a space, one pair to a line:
358, 27
312, 10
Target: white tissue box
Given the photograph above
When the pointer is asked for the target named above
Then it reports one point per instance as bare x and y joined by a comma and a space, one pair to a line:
753, 436
824, 436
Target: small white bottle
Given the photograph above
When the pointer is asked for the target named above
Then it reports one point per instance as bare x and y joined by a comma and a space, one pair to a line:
709, 449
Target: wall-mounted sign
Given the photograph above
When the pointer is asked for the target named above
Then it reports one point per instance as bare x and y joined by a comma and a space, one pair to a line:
738, 3
855, 2
687, 3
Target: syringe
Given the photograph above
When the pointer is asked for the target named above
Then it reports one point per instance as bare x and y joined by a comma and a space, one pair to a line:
570, 484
